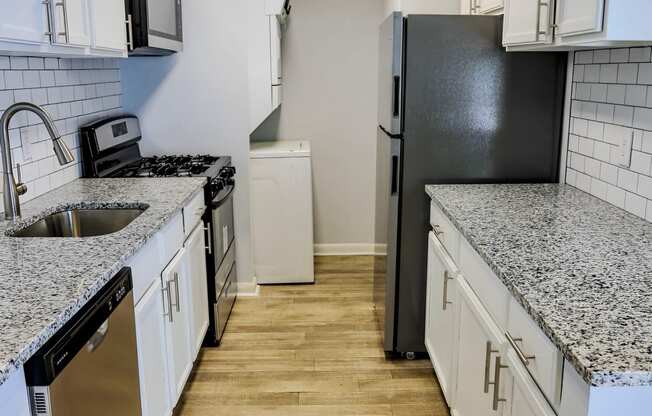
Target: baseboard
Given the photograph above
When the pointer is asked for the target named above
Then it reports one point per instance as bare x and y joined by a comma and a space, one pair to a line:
349, 249
248, 289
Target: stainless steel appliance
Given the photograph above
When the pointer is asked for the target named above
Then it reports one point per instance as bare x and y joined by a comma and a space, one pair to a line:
454, 108
154, 27
110, 149
90, 366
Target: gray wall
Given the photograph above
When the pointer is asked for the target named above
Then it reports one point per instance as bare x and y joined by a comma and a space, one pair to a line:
330, 98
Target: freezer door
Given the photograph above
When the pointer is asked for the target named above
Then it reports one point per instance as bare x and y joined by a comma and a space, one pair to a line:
390, 88
388, 179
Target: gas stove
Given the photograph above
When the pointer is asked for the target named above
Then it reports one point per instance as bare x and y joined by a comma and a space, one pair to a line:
110, 149
159, 166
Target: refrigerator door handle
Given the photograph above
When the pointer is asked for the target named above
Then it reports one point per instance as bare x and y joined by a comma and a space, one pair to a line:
396, 93
394, 175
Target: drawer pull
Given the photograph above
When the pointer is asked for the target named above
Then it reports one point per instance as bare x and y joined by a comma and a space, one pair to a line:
525, 359
446, 302
487, 365
496, 383
165, 291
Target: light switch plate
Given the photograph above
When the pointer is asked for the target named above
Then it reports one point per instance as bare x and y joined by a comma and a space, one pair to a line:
625, 150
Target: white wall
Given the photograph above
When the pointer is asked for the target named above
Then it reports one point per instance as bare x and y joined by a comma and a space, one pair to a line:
196, 101
73, 92
612, 100
422, 6
330, 67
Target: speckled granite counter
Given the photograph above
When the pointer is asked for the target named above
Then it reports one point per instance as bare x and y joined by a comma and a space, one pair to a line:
44, 281
582, 269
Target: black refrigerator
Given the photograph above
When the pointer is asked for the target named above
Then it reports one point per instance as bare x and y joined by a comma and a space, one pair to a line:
454, 107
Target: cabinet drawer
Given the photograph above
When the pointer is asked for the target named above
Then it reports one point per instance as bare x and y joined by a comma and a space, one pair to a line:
146, 266
491, 291
528, 340
446, 232
193, 212
170, 238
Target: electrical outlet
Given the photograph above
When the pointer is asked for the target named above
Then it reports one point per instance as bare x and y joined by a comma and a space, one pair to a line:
625, 150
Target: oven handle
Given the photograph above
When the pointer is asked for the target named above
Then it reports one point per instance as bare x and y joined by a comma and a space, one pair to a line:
218, 203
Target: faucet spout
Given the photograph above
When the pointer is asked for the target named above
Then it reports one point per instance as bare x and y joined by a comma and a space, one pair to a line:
61, 150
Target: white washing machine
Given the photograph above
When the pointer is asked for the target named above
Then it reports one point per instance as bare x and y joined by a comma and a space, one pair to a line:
282, 220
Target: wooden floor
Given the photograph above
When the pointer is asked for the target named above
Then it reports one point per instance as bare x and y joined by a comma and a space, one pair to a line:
310, 350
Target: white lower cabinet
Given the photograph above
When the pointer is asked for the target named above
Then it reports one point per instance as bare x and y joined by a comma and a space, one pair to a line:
177, 323
13, 395
197, 279
480, 343
441, 315
152, 353
522, 394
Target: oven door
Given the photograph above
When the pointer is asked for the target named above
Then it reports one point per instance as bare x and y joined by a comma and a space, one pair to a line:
223, 232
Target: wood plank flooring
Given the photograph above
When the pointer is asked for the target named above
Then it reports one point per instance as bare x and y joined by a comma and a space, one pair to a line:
310, 350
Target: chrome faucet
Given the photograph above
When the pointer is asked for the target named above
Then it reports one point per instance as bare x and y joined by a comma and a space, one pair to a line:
13, 190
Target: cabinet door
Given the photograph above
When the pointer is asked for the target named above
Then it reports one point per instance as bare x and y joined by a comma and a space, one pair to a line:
70, 22
575, 17
152, 354
480, 343
275, 43
24, 21
441, 316
523, 397
528, 22
465, 6
177, 324
108, 23
488, 6
196, 269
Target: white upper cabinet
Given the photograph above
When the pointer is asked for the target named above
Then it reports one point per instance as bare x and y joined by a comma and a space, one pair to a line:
108, 22
488, 6
580, 16
70, 25
66, 28
24, 22
527, 22
569, 24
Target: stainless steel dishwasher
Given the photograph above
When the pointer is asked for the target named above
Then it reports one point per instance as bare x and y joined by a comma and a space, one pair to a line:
90, 366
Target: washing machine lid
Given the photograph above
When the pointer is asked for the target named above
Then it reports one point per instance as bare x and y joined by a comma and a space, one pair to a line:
279, 149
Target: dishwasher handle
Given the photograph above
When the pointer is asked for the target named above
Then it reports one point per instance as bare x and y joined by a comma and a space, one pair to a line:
98, 337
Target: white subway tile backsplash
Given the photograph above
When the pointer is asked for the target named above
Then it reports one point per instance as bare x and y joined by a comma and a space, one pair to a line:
602, 151
639, 54
645, 186
645, 73
643, 118
595, 130
641, 162
592, 167
623, 115
609, 73
616, 94
72, 97
646, 142
583, 182
636, 95
616, 196
620, 55
627, 180
601, 56
635, 204
599, 92
592, 73
578, 73
584, 57
605, 113
586, 146
583, 91
598, 188
627, 73
609, 173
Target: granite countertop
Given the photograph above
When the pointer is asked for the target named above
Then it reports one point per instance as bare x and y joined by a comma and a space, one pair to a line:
44, 281
581, 268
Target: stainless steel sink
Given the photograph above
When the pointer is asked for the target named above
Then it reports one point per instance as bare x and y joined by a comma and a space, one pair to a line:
81, 223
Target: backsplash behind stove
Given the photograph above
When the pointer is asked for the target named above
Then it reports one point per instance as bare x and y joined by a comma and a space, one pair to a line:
74, 92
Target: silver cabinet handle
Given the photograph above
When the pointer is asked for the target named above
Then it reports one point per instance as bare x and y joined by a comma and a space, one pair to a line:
48, 11
165, 292
496, 383
64, 9
447, 277
525, 359
176, 289
487, 365
208, 238
540, 4
130, 33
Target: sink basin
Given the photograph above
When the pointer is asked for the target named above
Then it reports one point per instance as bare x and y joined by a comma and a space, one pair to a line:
81, 223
